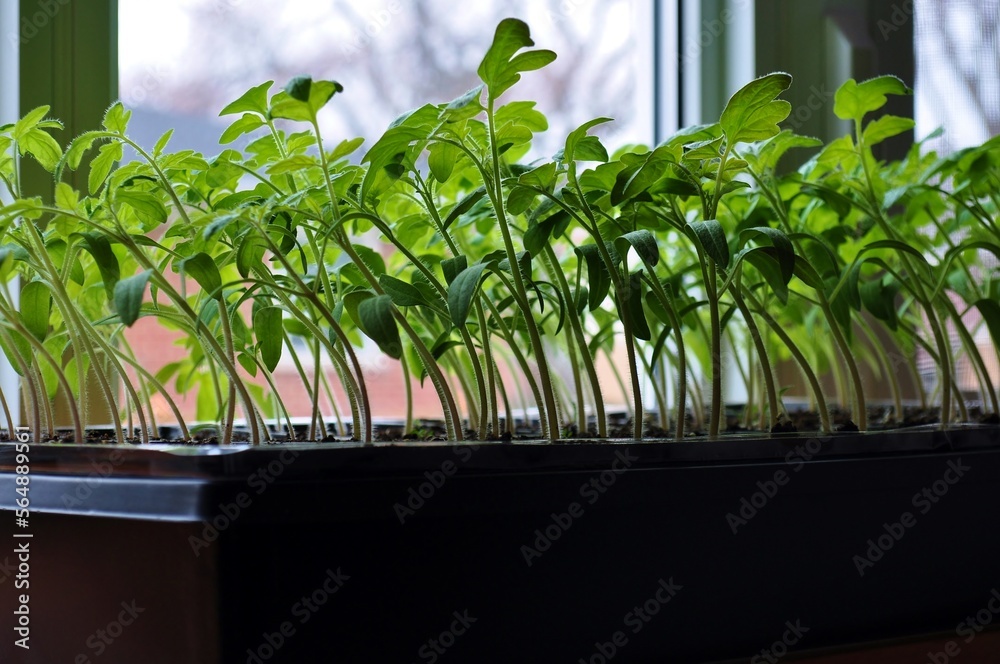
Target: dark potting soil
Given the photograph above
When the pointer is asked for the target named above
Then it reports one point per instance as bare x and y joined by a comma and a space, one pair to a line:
880, 418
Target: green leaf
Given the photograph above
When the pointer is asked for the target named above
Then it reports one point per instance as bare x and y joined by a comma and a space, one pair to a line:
452, 267
598, 277
129, 294
784, 250
21, 349
462, 290
401, 293
633, 305
268, 330
102, 164
885, 127
377, 321
879, 297
854, 100
990, 311
712, 238
202, 268
30, 120
249, 122
161, 143
587, 150
249, 254
116, 118
66, 196
36, 307
767, 263
464, 206
441, 159
147, 207
98, 246
78, 147
753, 113
464, 107
644, 244
501, 68
42, 147
311, 97
253, 100
247, 363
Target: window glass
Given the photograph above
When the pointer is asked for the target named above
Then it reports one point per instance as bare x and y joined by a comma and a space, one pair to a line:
182, 61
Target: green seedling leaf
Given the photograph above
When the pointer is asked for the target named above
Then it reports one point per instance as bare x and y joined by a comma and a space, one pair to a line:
147, 207
462, 290
253, 100
784, 250
644, 244
303, 98
247, 363
452, 267
98, 246
580, 148
885, 127
633, 305
854, 100
267, 327
36, 307
464, 206
753, 112
464, 107
376, 320
19, 348
712, 238
202, 268
129, 294
116, 118
246, 124
28, 123
501, 67
161, 144
639, 177
766, 261
990, 311
598, 276
401, 293
102, 164
441, 159
249, 254
42, 147
879, 297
